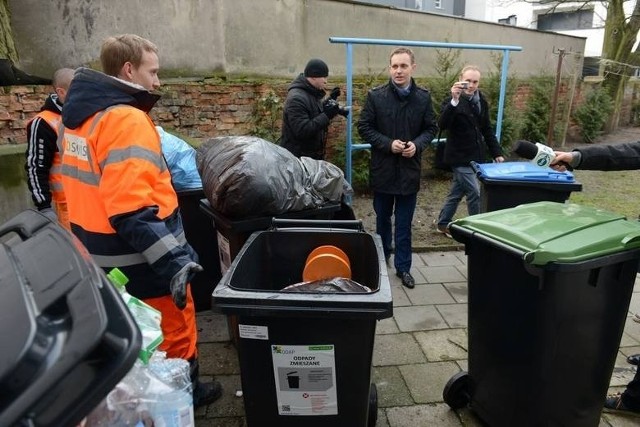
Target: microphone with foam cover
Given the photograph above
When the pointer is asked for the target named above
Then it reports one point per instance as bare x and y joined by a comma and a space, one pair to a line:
539, 154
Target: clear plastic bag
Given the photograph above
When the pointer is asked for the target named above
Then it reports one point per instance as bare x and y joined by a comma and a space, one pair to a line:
334, 284
157, 394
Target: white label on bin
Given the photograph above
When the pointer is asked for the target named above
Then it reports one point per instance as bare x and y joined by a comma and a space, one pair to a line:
305, 377
253, 332
224, 252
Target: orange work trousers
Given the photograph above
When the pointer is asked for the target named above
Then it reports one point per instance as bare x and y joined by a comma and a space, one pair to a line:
178, 326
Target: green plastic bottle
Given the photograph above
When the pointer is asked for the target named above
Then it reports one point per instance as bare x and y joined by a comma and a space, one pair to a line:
147, 318
118, 278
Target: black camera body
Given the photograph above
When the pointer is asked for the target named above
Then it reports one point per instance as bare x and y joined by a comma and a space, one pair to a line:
330, 102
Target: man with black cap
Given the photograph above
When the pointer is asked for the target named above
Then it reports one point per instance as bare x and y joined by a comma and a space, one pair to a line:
306, 116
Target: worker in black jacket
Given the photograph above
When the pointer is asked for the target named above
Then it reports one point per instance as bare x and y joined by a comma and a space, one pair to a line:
42, 159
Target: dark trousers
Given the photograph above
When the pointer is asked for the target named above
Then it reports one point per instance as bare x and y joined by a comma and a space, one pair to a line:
402, 208
631, 396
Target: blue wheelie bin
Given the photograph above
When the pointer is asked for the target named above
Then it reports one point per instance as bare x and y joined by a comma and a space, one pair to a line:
509, 184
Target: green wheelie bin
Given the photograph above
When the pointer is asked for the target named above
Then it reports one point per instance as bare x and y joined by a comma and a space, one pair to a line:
549, 290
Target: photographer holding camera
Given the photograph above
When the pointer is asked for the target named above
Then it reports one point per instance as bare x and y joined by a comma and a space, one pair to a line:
465, 117
306, 115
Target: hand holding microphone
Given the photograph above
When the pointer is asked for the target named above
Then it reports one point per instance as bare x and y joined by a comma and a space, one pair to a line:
538, 153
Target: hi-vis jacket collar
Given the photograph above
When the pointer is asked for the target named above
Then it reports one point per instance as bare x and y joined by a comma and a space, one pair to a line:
92, 91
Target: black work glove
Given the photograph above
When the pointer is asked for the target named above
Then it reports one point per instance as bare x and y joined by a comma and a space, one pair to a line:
335, 93
343, 112
179, 282
330, 107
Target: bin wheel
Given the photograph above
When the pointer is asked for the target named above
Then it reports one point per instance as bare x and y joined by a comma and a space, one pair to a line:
373, 406
456, 391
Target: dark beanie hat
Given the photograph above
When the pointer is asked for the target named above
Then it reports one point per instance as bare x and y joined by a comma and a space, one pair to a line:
316, 68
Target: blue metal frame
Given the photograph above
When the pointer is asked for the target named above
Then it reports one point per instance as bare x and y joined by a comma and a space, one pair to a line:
351, 41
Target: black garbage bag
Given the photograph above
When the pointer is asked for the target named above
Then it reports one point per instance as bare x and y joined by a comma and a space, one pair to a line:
334, 284
247, 176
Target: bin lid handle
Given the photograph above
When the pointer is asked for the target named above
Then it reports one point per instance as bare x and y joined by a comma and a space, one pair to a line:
342, 224
631, 240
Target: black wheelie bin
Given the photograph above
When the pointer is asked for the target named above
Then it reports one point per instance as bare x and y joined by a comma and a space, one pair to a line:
509, 184
549, 289
68, 337
305, 358
232, 233
201, 235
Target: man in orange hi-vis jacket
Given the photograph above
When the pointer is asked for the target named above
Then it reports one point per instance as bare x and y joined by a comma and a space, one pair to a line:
122, 205
42, 158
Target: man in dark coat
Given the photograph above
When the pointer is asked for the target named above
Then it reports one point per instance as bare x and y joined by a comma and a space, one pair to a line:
465, 116
399, 123
306, 116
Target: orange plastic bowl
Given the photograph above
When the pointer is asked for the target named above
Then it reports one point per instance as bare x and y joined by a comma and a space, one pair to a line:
325, 262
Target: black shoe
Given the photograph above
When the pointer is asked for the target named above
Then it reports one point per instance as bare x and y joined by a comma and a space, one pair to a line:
206, 393
387, 258
634, 359
614, 404
407, 279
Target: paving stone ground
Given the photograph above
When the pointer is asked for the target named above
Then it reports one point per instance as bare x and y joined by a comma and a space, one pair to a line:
415, 352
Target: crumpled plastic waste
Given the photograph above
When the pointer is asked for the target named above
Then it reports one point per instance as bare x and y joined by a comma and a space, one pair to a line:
331, 285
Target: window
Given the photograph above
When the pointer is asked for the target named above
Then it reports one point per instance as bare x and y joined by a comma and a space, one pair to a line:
511, 20
575, 20
437, 4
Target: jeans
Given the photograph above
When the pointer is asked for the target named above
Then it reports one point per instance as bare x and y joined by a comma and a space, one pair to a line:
405, 206
465, 184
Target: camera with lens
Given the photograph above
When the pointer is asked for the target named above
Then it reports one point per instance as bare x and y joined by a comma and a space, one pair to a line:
331, 103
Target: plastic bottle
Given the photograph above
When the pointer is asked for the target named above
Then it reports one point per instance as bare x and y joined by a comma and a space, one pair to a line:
118, 278
147, 318
173, 409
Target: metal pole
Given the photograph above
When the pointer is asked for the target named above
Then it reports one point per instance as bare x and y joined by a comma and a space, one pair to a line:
351, 147
552, 117
503, 92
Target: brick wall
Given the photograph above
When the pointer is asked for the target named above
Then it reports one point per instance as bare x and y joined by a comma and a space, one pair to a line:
18, 104
198, 110
201, 110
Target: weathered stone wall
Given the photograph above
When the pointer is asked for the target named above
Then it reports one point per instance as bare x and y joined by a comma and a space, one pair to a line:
262, 37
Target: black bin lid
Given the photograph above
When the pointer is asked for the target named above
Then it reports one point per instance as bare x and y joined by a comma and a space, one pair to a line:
67, 336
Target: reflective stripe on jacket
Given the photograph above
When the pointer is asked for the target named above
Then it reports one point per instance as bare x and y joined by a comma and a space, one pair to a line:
122, 205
